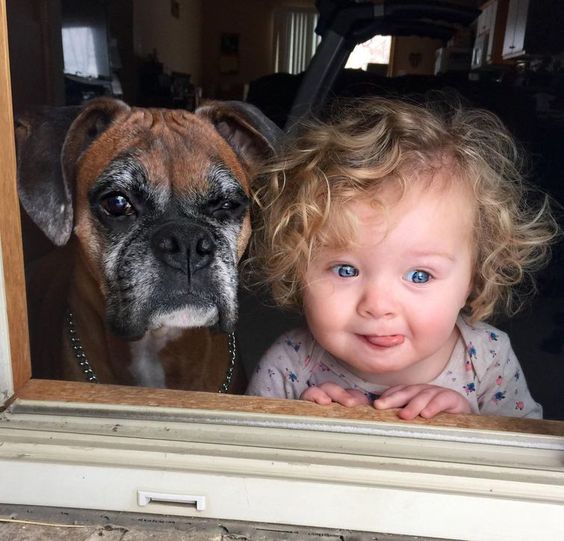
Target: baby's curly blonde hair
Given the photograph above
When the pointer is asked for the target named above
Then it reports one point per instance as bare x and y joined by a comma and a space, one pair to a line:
373, 143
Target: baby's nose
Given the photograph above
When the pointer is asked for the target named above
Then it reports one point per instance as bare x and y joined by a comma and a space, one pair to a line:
377, 301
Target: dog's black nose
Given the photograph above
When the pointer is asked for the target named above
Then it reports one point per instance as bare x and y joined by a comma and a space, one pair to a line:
186, 247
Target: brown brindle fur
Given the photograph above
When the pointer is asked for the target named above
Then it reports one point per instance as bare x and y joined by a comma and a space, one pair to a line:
180, 155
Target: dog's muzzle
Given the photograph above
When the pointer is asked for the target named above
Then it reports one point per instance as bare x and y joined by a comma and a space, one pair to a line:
186, 278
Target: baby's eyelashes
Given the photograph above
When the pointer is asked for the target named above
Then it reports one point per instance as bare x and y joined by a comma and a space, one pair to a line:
344, 270
417, 276
414, 276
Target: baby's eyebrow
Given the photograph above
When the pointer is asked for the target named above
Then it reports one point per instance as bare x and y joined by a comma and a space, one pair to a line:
432, 254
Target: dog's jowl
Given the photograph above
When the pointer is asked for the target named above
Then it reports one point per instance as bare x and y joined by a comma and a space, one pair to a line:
149, 212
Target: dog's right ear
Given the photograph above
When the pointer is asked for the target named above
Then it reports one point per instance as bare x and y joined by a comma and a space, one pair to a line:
43, 194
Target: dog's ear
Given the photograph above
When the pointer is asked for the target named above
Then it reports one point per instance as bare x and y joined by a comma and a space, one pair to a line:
49, 142
94, 119
46, 198
251, 134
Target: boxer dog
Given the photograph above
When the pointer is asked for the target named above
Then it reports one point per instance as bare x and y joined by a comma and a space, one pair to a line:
150, 211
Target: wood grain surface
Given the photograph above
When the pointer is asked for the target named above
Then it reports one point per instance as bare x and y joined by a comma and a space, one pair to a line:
113, 394
10, 228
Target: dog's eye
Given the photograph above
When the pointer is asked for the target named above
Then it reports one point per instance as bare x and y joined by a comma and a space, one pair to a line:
228, 205
116, 204
225, 208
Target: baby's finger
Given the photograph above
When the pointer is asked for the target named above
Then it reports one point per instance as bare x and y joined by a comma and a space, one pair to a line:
396, 397
345, 397
359, 398
447, 401
418, 403
392, 390
317, 395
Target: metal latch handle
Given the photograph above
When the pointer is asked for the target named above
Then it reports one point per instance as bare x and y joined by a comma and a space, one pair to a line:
145, 497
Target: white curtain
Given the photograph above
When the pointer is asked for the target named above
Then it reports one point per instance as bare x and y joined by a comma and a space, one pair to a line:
294, 39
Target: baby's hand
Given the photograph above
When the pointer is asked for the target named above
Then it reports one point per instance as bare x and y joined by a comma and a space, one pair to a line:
425, 400
330, 392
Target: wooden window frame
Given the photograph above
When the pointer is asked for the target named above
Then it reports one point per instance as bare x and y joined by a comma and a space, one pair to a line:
73, 444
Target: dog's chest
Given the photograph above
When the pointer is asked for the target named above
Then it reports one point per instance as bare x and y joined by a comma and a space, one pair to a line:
146, 367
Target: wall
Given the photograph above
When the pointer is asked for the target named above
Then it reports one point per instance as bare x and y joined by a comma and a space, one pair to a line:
177, 40
120, 17
35, 41
252, 20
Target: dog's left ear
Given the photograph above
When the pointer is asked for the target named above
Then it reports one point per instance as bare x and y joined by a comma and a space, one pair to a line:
251, 134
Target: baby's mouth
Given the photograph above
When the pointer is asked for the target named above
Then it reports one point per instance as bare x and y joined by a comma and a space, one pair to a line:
385, 341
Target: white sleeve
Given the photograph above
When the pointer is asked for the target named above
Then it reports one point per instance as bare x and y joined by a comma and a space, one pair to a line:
281, 372
503, 390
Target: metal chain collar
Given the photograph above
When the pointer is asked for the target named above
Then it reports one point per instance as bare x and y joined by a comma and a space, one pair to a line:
232, 348
79, 354
90, 376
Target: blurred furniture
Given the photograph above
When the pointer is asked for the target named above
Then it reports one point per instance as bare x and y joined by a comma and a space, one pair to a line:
345, 23
452, 59
534, 27
490, 33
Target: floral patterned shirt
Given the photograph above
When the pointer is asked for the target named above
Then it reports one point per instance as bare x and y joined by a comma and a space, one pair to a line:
482, 367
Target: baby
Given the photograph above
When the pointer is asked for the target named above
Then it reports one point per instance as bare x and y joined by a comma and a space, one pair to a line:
398, 231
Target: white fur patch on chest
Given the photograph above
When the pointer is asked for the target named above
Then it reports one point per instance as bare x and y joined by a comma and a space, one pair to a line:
145, 366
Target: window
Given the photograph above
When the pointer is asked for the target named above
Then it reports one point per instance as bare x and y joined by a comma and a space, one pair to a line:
81, 55
374, 51
295, 39
80, 445
85, 39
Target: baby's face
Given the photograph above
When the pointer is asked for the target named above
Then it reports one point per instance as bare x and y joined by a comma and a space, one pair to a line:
387, 305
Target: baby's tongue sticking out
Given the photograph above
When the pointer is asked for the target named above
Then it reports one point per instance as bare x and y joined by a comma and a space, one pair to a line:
386, 341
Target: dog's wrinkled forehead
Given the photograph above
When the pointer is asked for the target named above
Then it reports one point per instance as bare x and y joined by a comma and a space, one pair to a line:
187, 162
175, 149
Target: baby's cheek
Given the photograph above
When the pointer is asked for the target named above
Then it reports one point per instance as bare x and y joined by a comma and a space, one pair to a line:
318, 287
436, 323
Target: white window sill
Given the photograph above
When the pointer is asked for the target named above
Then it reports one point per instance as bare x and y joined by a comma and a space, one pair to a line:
382, 476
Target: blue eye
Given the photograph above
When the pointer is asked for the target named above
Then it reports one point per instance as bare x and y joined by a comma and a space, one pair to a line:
345, 271
417, 276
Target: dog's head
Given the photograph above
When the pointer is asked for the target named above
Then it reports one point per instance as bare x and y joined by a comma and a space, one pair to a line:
158, 200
